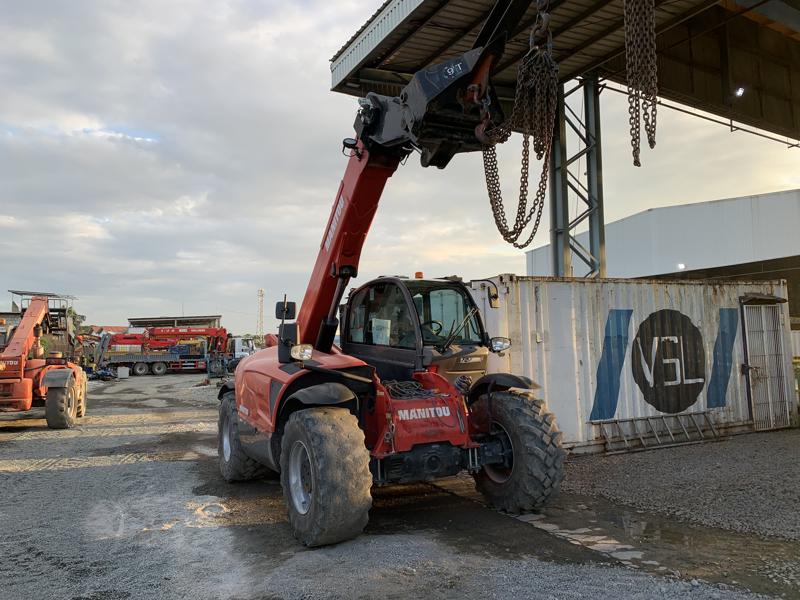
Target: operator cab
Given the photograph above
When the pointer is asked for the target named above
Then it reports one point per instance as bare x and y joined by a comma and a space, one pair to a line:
402, 325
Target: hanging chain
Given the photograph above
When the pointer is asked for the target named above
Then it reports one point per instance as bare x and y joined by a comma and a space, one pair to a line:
534, 114
641, 71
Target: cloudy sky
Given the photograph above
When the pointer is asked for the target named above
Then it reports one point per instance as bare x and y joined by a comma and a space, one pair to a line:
166, 157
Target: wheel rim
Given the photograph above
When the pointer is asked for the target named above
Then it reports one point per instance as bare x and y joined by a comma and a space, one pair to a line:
71, 405
500, 473
226, 440
300, 477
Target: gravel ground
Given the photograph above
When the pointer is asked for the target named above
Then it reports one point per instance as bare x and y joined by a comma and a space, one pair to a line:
420, 566
130, 505
747, 483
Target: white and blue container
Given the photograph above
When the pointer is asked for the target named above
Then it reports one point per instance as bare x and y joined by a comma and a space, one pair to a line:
640, 361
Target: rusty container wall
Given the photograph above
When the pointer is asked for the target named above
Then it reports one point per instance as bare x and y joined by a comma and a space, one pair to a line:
614, 349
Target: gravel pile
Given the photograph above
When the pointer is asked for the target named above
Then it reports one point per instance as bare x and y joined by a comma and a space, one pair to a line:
748, 483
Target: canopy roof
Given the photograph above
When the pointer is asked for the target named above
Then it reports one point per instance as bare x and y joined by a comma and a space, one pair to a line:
707, 50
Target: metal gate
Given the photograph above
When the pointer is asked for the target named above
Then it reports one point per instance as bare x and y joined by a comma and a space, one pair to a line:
766, 372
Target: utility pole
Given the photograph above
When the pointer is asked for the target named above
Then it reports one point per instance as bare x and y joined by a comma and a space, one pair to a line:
260, 322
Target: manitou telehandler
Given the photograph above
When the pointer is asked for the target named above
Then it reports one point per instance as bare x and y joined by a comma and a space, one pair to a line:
27, 377
406, 396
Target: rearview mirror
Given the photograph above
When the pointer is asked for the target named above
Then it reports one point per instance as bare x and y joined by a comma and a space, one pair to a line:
499, 344
285, 311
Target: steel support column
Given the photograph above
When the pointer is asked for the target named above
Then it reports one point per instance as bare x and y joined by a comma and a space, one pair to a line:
559, 195
568, 181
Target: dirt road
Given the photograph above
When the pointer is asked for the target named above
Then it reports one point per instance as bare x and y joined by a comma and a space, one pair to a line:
130, 505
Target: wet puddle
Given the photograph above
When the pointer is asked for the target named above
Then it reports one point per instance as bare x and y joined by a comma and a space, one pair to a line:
662, 545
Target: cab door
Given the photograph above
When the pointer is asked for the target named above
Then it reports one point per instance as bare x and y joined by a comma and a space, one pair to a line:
380, 330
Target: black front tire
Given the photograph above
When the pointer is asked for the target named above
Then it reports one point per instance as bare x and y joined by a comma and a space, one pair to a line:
537, 467
327, 492
61, 406
234, 464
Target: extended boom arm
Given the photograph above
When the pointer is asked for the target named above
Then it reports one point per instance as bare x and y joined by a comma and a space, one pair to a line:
25, 335
441, 112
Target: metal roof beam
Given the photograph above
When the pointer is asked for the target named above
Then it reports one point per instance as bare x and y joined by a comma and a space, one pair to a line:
403, 39
659, 30
565, 27
452, 41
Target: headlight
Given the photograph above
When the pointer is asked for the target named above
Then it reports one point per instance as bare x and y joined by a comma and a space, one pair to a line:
500, 343
302, 351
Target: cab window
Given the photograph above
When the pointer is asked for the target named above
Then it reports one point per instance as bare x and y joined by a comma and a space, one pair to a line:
441, 308
379, 316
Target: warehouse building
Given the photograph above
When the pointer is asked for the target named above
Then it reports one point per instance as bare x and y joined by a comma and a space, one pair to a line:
187, 321
747, 238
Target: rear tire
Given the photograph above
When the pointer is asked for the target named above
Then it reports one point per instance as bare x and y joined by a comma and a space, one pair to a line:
325, 476
234, 464
61, 406
538, 460
80, 411
159, 368
140, 368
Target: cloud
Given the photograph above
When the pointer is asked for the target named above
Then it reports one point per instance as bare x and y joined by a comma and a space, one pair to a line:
159, 157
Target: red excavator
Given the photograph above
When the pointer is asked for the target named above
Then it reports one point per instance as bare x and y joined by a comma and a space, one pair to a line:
28, 377
406, 396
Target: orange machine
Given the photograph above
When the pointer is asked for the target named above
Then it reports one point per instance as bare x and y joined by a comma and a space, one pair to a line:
27, 376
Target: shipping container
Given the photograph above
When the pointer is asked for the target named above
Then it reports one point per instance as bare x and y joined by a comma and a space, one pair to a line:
626, 363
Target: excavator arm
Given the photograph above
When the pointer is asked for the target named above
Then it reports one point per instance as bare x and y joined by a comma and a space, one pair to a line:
441, 112
14, 355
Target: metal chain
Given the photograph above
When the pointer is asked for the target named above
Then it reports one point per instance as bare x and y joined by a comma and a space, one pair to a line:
641, 71
534, 114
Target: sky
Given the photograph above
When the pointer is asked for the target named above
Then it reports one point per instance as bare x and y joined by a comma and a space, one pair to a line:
167, 158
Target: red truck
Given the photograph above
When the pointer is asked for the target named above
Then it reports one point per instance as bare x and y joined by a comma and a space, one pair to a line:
159, 350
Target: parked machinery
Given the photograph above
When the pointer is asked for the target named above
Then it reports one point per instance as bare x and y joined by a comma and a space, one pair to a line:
159, 350
28, 377
406, 396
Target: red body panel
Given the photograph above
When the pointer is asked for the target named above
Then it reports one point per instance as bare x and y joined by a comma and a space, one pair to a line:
396, 425
258, 373
350, 220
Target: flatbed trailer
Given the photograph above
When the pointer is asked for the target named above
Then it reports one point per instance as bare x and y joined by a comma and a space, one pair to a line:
156, 363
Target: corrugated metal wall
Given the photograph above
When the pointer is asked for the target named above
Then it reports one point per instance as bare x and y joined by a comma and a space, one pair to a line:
796, 344
625, 349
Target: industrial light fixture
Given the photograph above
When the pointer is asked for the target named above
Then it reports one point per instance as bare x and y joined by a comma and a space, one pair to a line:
681, 266
739, 92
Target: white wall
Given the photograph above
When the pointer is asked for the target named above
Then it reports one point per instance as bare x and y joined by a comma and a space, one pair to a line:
702, 235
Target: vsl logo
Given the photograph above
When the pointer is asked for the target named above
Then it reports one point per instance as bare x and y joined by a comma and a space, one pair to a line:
668, 361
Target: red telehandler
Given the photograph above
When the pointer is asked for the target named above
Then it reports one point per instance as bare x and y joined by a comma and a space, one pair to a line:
406, 396
27, 376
